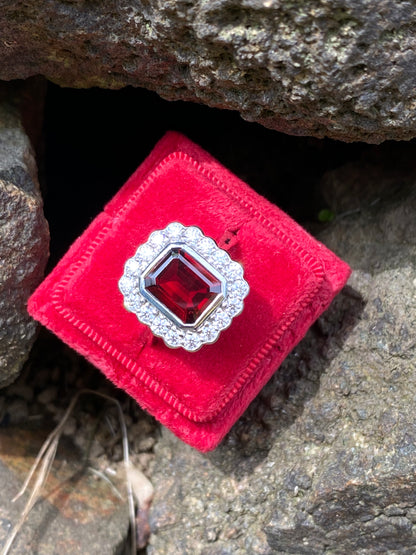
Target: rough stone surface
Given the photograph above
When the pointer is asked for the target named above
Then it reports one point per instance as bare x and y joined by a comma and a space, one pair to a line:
24, 241
83, 507
79, 513
342, 68
323, 460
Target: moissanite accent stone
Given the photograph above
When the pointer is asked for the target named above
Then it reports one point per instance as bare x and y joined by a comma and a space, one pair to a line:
183, 285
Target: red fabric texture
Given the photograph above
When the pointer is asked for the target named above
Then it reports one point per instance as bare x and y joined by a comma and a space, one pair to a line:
292, 279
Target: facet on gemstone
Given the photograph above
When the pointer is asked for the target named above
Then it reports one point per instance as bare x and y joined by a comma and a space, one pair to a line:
183, 285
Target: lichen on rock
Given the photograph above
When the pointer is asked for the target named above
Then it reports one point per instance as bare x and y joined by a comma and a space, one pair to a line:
24, 241
323, 460
343, 69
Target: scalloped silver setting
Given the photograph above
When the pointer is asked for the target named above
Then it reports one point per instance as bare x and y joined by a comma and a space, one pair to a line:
161, 321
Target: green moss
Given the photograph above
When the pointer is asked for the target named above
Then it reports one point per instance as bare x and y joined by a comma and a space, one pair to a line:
325, 215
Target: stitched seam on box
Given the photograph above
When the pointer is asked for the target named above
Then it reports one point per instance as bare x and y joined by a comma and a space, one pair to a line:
131, 365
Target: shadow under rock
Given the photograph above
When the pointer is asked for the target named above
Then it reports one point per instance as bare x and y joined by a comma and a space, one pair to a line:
282, 400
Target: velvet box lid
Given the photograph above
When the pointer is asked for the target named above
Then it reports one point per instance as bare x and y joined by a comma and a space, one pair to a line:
292, 278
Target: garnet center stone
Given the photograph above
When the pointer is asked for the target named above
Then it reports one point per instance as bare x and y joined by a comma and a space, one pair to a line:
183, 285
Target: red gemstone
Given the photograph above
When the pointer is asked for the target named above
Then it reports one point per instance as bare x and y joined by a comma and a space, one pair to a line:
183, 285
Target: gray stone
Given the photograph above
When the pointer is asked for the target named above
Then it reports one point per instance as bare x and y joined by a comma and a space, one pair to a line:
24, 240
79, 513
323, 460
343, 68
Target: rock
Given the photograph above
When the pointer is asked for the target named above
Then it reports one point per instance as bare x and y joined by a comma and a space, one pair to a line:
17, 412
24, 240
343, 69
48, 395
323, 460
79, 513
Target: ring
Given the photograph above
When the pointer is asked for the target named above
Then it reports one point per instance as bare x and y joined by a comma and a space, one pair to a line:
183, 286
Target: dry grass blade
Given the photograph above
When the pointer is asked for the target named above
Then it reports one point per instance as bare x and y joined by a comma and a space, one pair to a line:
44, 461
34, 496
56, 433
106, 479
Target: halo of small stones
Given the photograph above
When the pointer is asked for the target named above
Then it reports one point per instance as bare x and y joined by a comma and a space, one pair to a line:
232, 272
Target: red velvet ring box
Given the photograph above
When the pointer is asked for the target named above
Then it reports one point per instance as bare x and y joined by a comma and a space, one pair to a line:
292, 277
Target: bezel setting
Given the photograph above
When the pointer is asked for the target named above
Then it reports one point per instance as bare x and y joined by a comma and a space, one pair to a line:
218, 315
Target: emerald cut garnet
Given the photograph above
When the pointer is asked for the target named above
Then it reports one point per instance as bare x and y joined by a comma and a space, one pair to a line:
183, 285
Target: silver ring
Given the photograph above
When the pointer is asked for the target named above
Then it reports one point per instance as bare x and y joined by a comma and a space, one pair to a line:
183, 286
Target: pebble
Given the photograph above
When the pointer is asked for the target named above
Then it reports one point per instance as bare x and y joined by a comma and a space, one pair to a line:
55, 375
70, 426
144, 460
20, 390
57, 412
18, 411
42, 377
96, 450
142, 428
144, 444
117, 454
47, 395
